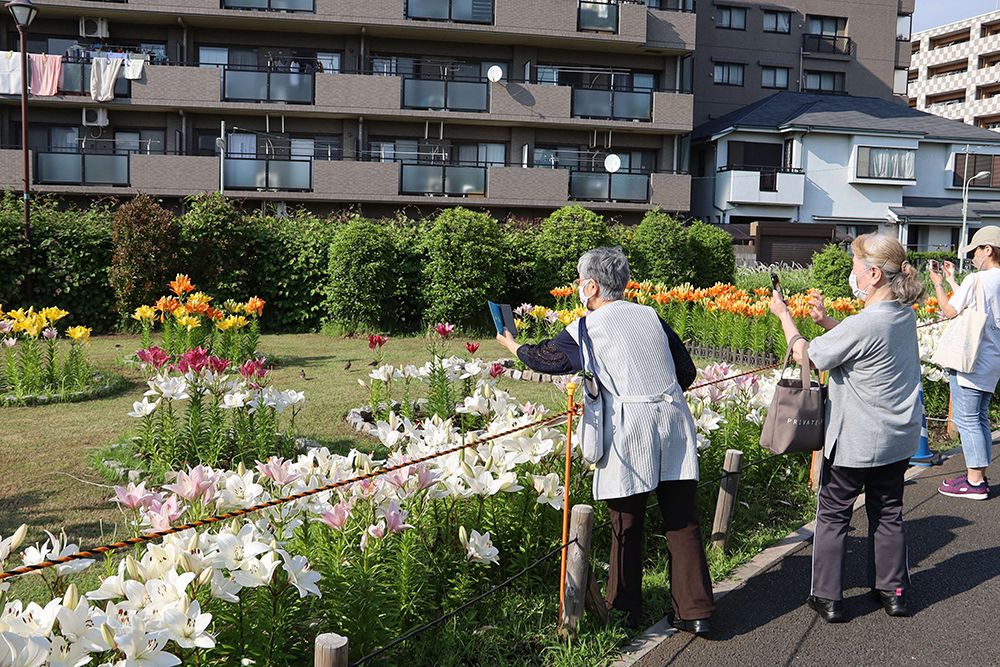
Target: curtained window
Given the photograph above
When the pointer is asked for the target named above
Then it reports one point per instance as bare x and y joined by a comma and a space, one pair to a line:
898, 164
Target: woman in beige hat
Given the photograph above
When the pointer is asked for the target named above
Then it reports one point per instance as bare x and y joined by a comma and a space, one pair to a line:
971, 392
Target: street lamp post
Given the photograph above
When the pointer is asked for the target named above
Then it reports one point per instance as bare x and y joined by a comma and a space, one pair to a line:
24, 13
965, 210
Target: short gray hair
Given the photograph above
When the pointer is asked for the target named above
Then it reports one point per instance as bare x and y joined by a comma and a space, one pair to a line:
608, 267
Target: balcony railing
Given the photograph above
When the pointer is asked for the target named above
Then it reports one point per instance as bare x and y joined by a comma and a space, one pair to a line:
459, 11
62, 167
299, 6
672, 5
442, 179
597, 17
831, 44
452, 95
294, 175
265, 84
612, 104
621, 186
75, 79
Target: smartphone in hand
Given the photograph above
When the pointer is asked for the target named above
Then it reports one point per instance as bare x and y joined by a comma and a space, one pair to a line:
935, 266
777, 285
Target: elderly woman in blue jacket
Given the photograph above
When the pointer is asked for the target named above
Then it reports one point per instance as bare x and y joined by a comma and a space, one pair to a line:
650, 441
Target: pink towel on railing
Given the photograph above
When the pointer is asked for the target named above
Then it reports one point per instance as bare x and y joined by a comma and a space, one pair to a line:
46, 71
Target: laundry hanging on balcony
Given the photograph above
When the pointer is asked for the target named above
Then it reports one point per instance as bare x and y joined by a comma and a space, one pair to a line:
46, 71
10, 73
133, 66
103, 74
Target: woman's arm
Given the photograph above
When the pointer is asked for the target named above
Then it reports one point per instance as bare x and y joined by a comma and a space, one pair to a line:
556, 356
817, 311
780, 308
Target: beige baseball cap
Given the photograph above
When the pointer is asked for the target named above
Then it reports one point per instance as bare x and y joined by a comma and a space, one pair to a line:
988, 235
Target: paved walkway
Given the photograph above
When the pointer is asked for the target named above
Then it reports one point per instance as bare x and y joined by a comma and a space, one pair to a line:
954, 547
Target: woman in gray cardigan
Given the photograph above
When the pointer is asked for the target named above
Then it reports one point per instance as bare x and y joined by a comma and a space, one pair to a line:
873, 421
650, 442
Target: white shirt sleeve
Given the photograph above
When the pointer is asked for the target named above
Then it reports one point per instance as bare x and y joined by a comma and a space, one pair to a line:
964, 294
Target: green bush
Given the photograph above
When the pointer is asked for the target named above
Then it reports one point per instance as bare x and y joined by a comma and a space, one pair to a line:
831, 269
214, 239
464, 269
363, 277
146, 253
920, 259
712, 257
520, 250
623, 236
565, 235
660, 250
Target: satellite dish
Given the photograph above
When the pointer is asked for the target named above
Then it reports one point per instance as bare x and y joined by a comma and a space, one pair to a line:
612, 163
494, 73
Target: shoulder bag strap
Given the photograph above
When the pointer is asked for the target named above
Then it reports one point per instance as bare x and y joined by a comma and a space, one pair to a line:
587, 349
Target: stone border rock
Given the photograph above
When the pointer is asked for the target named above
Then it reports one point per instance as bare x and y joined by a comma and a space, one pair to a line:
114, 383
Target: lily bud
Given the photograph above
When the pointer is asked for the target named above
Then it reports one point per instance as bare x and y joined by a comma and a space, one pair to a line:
489, 463
185, 604
108, 635
467, 469
193, 542
235, 526
463, 535
132, 566
205, 576
366, 468
487, 391
72, 597
18, 536
188, 563
274, 545
241, 469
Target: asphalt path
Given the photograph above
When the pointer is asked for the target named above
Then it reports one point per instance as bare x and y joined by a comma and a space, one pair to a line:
954, 556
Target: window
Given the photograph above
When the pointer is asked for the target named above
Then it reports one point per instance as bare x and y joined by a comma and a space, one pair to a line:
825, 82
890, 163
903, 27
754, 155
327, 62
600, 79
777, 21
900, 81
989, 60
326, 148
774, 77
729, 74
957, 67
147, 142
732, 18
976, 164
57, 138
206, 142
831, 26
488, 155
556, 157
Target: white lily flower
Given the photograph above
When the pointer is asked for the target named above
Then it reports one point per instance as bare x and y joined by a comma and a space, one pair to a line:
20, 651
257, 572
235, 550
550, 491
144, 649
225, 588
383, 373
301, 575
236, 399
68, 654
480, 549
143, 408
187, 628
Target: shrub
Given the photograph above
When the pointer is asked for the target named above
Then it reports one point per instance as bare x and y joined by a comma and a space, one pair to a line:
660, 251
519, 241
146, 252
712, 257
920, 259
214, 241
408, 293
624, 236
465, 268
831, 268
565, 235
363, 277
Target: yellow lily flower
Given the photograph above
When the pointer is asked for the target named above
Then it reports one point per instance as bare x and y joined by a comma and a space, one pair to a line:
144, 313
79, 334
189, 322
53, 314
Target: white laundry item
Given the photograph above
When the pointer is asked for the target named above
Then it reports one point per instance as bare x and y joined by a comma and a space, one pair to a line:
10, 73
103, 74
133, 67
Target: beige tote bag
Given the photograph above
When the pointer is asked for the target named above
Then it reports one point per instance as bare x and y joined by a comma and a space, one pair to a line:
797, 418
958, 346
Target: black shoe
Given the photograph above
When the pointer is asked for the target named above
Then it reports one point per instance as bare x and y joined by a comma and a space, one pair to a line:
831, 611
892, 602
698, 626
632, 620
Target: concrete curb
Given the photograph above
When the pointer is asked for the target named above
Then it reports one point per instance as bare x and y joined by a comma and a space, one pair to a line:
662, 630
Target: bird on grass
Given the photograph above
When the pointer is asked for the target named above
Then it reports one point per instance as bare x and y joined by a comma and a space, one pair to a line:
347, 366
373, 364
302, 373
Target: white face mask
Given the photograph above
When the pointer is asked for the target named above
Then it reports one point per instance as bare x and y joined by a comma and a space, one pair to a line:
977, 263
852, 280
583, 297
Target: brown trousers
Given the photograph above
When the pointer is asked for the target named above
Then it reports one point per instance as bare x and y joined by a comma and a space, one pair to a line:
690, 583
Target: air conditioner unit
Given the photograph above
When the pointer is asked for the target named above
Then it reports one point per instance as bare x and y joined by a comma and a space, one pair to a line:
95, 116
93, 27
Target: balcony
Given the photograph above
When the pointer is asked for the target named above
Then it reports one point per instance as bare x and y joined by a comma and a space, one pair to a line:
761, 185
468, 96
597, 17
264, 84
622, 186
442, 180
61, 167
263, 174
75, 79
829, 45
457, 11
612, 104
291, 6
904, 54
672, 29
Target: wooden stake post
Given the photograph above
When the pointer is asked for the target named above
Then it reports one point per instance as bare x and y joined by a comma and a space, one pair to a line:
578, 568
727, 499
331, 651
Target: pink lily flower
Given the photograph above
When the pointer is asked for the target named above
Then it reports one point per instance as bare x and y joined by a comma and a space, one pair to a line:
375, 530
426, 478
337, 517
394, 518
153, 356
193, 484
134, 496
376, 341
163, 514
278, 470
496, 370
218, 364
443, 329
472, 347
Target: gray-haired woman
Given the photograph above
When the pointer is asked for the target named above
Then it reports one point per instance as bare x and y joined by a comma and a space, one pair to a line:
643, 370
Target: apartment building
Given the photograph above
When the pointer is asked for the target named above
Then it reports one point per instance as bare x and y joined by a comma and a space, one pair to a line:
506, 105
955, 71
751, 49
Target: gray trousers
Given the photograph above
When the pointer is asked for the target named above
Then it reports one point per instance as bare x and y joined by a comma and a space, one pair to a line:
839, 488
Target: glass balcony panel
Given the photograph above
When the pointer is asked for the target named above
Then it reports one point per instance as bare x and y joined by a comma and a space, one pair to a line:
245, 4
291, 87
419, 94
72, 78
245, 173
427, 9
418, 178
630, 187
472, 11
467, 96
293, 5
598, 17
60, 168
106, 169
290, 174
637, 106
465, 181
244, 85
586, 185
596, 103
